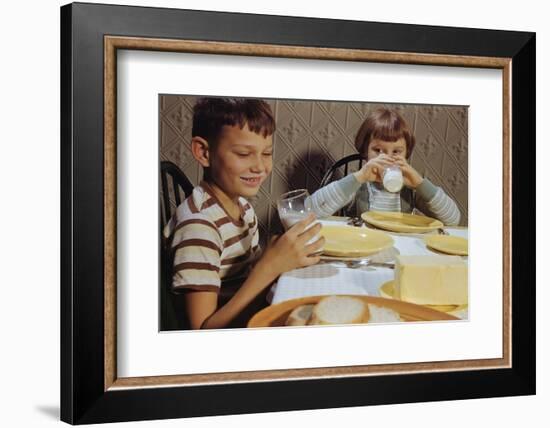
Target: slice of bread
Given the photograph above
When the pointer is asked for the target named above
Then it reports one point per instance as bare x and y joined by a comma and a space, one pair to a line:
379, 314
339, 310
300, 315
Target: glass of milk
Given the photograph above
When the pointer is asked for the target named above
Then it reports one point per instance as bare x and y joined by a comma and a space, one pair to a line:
293, 207
392, 179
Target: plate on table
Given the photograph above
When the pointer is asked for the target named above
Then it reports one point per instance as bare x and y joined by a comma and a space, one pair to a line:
385, 256
387, 291
401, 222
448, 244
354, 242
276, 315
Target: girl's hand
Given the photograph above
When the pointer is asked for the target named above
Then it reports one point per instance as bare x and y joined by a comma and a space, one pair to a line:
290, 250
411, 177
372, 170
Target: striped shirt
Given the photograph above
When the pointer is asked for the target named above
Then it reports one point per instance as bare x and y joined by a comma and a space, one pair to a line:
381, 200
208, 245
430, 199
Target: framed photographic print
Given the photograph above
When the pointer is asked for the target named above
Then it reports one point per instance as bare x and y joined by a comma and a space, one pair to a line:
190, 275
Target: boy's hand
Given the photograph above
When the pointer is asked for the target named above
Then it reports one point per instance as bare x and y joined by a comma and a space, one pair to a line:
411, 177
289, 251
372, 170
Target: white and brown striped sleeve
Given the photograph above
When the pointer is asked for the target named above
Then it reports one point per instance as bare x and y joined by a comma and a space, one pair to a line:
197, 247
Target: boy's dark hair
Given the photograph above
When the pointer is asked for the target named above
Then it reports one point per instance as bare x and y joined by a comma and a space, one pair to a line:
384, 124
210, 114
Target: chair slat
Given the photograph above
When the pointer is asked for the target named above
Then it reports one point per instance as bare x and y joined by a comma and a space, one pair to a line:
176, 189
344, 162
180, 184
165, 197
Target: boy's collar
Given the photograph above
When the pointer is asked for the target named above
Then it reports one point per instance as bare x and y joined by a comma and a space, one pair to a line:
208, 189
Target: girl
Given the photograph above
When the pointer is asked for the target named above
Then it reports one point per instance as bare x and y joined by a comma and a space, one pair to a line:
385, 139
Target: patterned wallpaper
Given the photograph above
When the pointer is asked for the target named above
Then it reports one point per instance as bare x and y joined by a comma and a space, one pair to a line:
312, 135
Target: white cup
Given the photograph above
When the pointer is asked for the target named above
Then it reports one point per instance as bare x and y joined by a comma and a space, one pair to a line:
392, 179
293, 207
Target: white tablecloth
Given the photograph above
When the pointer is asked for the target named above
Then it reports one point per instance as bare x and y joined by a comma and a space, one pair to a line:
328, 278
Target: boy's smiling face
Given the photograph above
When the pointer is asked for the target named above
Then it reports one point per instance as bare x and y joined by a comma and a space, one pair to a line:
240, 161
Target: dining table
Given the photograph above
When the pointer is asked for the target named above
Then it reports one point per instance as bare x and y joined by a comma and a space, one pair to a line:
356, 276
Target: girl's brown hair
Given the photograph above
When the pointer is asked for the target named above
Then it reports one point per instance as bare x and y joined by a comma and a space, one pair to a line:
211, 114
386, 125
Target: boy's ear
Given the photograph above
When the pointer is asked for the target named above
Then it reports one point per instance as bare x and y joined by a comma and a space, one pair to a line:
200, 150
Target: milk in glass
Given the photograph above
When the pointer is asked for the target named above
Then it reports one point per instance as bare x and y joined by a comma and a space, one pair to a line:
293, 207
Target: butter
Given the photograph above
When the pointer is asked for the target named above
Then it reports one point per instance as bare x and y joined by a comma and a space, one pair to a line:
431, 280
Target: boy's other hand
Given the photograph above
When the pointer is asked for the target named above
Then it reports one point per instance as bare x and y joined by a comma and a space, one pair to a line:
373, 169
290, 250
411, 177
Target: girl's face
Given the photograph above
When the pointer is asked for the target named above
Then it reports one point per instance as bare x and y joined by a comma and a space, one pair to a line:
391, 148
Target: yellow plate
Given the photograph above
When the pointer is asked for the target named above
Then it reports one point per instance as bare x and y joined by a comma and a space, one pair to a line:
349, 241
276, 315
448, 244
387, 290
401, 222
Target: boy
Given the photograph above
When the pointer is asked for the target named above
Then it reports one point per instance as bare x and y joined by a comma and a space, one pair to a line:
385, 139
215, 230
